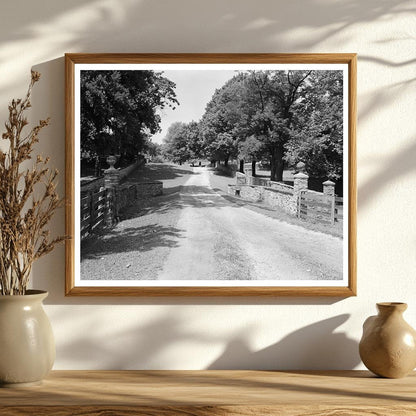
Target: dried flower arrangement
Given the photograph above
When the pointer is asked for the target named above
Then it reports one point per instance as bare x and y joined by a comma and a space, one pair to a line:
28, 200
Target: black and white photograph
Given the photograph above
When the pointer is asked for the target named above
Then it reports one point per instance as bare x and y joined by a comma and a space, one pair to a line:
211, 175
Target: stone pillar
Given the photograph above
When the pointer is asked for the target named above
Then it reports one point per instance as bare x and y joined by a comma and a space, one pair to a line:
329, 191
240, 178
247, 169
329, 188
248, 172
111, 175
300, 183
111, 182
301, 167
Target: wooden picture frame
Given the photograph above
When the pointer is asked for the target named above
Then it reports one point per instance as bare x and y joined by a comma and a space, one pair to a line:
262, 65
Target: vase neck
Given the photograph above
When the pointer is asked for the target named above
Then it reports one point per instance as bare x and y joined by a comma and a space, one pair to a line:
389, 308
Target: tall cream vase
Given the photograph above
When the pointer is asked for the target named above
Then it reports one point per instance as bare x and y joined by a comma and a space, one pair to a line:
27, 346
28, 200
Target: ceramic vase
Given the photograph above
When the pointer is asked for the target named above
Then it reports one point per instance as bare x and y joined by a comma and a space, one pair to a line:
388, 345
27, 346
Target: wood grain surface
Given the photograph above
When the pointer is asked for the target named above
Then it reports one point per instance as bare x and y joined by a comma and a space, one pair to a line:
211, 58
203, 393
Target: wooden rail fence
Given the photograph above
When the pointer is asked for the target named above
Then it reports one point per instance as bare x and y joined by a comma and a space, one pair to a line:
339, 209
94, 207
319, 207
101, 207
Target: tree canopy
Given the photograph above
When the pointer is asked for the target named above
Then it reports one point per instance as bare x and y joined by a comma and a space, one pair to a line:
176, 143
224, 123
285, 116
317, 136
119, 110
182, 142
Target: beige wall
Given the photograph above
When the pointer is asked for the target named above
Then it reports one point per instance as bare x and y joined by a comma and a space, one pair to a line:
235, 333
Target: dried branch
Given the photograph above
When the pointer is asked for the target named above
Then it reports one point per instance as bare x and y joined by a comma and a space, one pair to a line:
24, 217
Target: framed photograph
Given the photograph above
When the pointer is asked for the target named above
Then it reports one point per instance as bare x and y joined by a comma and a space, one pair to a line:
211, 174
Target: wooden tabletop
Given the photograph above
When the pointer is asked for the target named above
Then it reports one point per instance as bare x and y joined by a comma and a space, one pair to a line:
203, 393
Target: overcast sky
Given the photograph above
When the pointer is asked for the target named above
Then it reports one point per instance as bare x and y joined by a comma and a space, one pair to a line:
194, 89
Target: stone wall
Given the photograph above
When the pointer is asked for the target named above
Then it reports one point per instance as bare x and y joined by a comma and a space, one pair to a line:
276, 195
129, 169
120, 174
294, 200
251, 193
255, 180
92, 185
125, 195
282, 187
274, 198
280, 199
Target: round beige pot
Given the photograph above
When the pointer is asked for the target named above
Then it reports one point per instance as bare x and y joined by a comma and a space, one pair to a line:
27, 346
388, 345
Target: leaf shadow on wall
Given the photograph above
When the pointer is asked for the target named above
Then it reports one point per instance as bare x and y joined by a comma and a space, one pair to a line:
164, 26
114, 23
316, 346
400, 164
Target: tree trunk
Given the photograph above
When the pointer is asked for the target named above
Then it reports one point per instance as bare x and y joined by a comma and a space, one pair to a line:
253, 168
242, 165
226, 161
276, 163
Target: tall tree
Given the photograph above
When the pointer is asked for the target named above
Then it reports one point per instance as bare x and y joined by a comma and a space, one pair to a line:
175, 146
224, 122
153, 149
119, 110
251, 150
194, 140
318, 126
272, 96
256, 105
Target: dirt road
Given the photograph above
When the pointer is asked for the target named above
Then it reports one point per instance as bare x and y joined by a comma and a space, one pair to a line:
224, 240
193, 233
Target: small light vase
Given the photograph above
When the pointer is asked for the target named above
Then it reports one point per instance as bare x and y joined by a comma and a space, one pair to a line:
27, 346
388, 345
